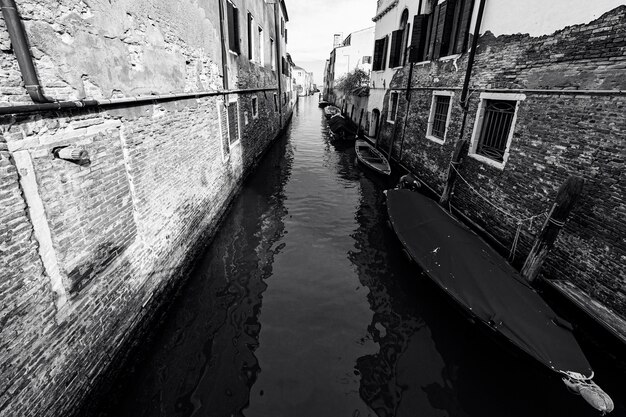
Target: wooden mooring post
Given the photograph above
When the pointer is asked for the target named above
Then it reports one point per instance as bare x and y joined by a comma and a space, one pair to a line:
452, 174
358, 130
565, 201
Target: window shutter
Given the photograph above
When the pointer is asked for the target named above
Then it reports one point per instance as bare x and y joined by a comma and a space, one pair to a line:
464, 27
439, 26
250, 53
384, 57
396, 48
378, 54
418, 40
448, 28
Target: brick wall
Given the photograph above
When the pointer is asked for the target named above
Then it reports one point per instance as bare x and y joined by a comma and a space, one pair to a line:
90, 252
556, 135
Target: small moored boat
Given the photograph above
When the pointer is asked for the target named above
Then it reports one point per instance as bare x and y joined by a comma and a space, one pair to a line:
330, 111
371, 157
341, 128
489, 290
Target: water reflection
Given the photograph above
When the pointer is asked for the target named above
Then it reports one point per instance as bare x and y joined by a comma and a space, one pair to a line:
202, 363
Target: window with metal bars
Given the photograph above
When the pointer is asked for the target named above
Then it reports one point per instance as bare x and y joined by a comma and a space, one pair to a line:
439, 114
495, 128
233, 122
393, 106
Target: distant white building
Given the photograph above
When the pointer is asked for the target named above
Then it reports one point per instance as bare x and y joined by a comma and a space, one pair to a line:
354, 52
303, 80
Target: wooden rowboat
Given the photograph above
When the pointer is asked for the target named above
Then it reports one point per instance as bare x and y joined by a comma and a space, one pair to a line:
371, 157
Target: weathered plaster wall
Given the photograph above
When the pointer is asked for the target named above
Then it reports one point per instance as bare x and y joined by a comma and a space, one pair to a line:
507, 17
89, 252
556, 135
102, 49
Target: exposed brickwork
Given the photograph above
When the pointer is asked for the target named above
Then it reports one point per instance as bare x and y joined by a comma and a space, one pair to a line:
556, 135
124, 228
21, 281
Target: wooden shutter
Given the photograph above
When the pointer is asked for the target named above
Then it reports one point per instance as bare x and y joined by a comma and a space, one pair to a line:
449, 27
464, 26
250, 39
385, 46
378, 54
418, 39
438, 29
396, 48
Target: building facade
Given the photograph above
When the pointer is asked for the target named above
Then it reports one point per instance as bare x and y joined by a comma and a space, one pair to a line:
355, 51
125, 131
303, 80
497, 132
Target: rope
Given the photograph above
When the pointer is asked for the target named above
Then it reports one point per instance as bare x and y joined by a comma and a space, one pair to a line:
520, 221
506, 213
589, 390
555, 222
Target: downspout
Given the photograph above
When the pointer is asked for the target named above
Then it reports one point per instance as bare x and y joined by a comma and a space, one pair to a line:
470, 66
224, 54
22, 52
408, 104
279, 67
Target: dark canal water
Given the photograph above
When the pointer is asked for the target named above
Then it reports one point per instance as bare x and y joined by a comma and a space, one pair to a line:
304, 306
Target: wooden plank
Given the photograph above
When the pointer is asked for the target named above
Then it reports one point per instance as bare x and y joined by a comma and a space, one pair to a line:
598, 312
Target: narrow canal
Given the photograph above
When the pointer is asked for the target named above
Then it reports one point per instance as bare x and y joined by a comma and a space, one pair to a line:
304, 306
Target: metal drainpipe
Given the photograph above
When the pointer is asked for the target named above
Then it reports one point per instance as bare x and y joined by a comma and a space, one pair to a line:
470, 65
408, 104
224, 54
22, 52
279, 61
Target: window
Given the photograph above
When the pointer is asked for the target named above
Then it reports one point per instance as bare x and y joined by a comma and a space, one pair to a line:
285, 35
255, 107
275, 102
233, 28
260, 51
282, 27
250, 37
380, 54
272, 54
393, 106
494, 127
439, 118
443, 31
232, 112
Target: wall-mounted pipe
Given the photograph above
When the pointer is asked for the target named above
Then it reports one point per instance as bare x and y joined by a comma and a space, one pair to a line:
19, 43
472, 55
81, 104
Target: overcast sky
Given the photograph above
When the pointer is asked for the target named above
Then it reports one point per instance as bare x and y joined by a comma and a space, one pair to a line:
312, 24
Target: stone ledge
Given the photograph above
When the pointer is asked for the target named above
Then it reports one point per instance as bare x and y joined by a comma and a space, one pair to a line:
594, 309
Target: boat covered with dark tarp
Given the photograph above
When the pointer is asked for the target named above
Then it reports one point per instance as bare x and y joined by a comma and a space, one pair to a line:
342, 128
489, 289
